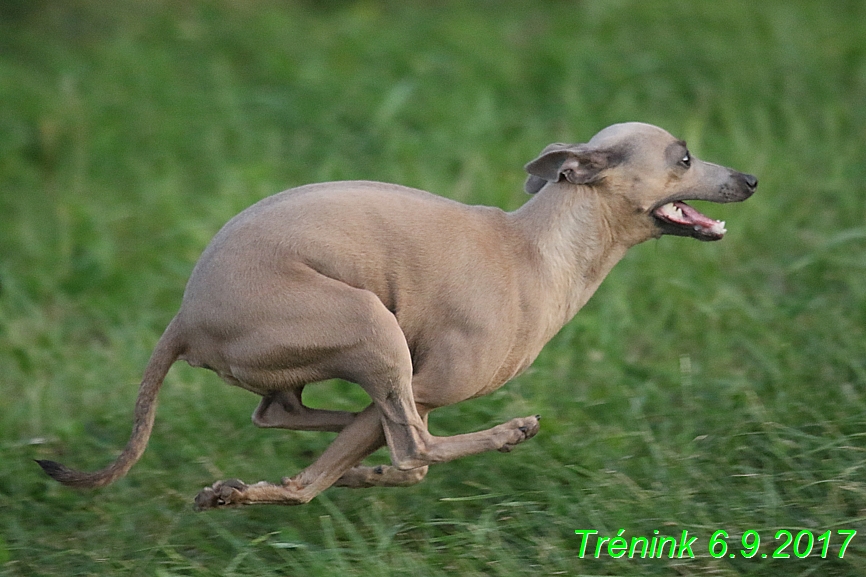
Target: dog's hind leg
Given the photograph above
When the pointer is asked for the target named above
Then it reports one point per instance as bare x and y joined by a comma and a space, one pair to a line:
358, 340
355, 442
362, 477
284, 410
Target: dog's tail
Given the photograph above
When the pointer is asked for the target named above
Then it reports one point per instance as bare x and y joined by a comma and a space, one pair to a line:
164, 355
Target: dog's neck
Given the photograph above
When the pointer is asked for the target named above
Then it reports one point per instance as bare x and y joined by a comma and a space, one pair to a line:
577, 235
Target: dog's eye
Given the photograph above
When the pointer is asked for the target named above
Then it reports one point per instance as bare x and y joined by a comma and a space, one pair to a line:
687, 160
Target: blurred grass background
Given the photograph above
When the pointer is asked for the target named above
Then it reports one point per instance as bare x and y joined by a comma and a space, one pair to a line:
705, 386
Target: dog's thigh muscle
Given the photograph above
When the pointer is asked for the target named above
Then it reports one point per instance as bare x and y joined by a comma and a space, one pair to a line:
296, 329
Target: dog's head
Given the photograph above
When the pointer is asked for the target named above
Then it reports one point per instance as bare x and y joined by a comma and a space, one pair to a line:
651, 171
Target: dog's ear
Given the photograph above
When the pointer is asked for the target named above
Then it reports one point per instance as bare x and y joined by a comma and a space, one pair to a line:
577, 163
546, 167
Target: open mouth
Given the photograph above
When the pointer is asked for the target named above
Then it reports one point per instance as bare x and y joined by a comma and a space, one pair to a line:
681, 219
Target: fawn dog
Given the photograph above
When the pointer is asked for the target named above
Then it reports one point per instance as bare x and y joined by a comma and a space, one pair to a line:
420, 300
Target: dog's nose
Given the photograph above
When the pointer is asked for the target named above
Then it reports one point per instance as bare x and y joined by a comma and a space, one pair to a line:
751, 181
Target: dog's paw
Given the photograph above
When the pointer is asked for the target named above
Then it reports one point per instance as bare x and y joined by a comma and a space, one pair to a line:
521, 430
220, 494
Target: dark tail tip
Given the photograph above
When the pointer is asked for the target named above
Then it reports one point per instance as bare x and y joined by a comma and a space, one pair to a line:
65, 475
54, 469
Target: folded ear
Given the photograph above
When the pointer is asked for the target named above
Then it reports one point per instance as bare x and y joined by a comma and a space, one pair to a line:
577, 163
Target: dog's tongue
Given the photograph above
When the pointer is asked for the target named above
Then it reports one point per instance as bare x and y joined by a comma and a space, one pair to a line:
681, 213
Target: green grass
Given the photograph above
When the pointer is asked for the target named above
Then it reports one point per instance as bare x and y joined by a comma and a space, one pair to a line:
705, 386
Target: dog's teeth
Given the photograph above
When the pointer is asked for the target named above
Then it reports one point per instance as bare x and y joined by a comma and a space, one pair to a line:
671, 210
719, 227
